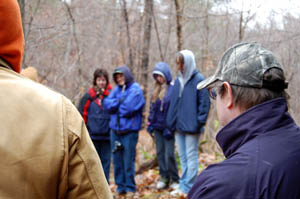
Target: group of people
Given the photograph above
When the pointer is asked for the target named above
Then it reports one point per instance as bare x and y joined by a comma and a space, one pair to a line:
47, 151
114, 117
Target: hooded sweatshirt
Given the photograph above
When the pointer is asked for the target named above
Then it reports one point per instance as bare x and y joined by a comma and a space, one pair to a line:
189, 107
125, 104
159, 108
189, 67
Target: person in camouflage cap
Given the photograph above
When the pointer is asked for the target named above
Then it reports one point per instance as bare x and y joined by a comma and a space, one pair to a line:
259, 138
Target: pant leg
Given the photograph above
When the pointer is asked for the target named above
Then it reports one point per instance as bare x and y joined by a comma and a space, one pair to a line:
129, 141
160, 153
119, 170
170, 159
192, 143
181, 146
104, 151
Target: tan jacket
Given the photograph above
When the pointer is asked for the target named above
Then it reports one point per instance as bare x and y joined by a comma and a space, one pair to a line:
45, 149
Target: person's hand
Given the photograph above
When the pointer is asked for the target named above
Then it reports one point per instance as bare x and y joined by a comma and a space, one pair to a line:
121, 100
168, 134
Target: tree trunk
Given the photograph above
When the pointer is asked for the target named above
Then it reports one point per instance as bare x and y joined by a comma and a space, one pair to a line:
158, 38
125, 14
146, 45
179, 16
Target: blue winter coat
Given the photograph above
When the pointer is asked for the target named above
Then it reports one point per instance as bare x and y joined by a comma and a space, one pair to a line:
125, 106
159, 109
262, 147
189, 112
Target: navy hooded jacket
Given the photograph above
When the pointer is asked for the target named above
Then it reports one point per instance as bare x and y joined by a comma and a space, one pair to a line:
125, 104
158, 109
189, 112
262, 147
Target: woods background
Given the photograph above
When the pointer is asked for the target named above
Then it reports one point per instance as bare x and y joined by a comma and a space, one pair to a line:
67, 40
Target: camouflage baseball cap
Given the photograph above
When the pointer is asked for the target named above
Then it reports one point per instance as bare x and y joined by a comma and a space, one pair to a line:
243, 64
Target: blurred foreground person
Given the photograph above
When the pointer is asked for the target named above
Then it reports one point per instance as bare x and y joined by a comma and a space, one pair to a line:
31, 73
45, 149
97, 117
259, 139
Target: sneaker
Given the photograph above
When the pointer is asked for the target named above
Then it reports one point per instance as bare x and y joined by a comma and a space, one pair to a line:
174, 185
130, 195
162, 184
178, 193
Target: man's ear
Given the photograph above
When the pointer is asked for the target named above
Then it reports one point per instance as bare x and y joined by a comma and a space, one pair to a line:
228, 96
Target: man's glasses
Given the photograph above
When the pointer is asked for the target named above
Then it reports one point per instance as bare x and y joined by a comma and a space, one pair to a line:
213, 92
215, 89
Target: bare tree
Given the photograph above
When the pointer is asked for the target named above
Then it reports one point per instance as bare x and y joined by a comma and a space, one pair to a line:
125, 15
146, 43
179, 16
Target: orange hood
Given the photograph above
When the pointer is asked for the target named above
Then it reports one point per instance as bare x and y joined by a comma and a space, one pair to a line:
11, 34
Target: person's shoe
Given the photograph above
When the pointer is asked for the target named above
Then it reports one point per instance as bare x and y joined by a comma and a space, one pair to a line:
174, 185
130, 195
162, 184
120, 195
178, 193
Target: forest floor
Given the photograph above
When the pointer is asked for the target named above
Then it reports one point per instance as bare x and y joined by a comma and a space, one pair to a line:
147, 179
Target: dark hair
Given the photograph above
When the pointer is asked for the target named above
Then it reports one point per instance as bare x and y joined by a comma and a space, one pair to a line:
246, 97
98, 73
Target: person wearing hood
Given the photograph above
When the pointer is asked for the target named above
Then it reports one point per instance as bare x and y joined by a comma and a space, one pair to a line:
125, 105
46, 151
259, 138
187, 117
97, 117
164, 139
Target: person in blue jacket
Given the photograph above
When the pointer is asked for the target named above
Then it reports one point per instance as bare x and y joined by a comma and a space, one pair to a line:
187, 116
260, 139
164, 139
125, 105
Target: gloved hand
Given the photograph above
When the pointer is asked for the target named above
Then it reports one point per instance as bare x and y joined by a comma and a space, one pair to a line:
150, 130
168, 134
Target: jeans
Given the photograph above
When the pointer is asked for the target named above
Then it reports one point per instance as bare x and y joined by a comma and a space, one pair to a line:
165, 151
187, 145
124, 160
104, 152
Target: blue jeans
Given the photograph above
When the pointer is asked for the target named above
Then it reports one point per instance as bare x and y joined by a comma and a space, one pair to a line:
165, 151
104, 152
187, 145
124, 160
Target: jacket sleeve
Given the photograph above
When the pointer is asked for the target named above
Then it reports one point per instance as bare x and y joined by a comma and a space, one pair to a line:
203, 106
151, 114
111, 102
133, 102
83, 173
172, 111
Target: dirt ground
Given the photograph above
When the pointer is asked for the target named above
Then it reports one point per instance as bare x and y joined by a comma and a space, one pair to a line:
146, 181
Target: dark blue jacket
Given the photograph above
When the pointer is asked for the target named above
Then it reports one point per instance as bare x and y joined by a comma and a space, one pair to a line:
125, 106
189, 112
158, 109
262, 147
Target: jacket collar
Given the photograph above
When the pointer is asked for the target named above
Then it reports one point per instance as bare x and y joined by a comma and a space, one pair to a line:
256, 121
